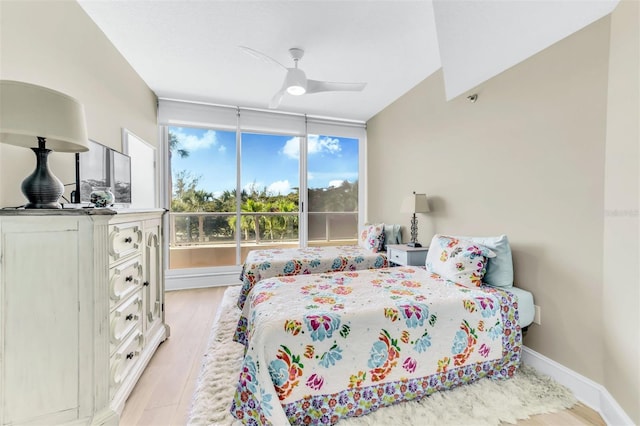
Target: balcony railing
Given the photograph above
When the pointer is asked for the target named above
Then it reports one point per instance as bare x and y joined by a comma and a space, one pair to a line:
208, 239
214, 228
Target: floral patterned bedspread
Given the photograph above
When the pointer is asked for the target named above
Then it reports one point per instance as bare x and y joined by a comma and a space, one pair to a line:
261, 264
327, 346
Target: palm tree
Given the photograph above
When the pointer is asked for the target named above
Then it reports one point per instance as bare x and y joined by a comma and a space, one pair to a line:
285, 221
174, 145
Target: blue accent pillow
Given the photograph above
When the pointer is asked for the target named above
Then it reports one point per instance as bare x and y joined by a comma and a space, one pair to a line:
392, 235
500, 268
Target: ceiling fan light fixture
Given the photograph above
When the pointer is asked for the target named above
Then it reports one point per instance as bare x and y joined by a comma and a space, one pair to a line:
296, 82
296, 90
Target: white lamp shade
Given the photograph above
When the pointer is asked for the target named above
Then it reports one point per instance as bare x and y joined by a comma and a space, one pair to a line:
28, 111
415, 203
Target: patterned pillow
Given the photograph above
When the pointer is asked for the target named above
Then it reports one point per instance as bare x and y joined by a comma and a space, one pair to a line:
461, 261
500, 268
372, 237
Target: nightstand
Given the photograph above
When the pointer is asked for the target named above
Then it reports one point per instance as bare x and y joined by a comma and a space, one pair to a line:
402, 254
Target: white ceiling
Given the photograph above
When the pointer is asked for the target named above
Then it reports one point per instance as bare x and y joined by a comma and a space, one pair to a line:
188, 49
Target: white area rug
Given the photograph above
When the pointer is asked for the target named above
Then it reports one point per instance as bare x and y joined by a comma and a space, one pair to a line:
485, 402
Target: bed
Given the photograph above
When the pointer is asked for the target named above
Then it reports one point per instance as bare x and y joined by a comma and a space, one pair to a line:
323, 347
261, 264
369, 253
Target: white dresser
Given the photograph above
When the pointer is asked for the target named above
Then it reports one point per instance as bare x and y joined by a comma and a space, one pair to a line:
82, 311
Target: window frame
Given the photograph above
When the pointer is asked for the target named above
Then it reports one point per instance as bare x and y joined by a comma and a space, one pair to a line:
312, 125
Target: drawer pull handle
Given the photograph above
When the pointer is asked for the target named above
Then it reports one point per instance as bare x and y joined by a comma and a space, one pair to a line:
129, 278
128, 240
146, 283
130, 355
131, 317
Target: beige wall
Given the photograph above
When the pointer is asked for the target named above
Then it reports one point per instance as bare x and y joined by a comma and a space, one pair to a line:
55, 44
528, 160
621, 288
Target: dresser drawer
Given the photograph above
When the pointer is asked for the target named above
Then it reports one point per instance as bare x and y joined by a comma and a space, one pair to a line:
124, 359
124, 319
125, 279
124, 240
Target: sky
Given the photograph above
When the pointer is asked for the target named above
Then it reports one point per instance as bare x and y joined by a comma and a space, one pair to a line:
270, 161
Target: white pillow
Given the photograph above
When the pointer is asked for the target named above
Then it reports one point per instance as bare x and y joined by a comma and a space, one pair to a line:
372, 237
461, 261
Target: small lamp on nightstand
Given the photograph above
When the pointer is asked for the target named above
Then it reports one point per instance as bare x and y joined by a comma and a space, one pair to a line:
416, 203
44, 120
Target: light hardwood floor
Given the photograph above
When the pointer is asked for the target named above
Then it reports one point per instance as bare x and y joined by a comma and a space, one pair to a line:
162, 396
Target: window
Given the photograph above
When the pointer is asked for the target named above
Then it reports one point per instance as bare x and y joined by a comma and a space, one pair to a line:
276, 168
202, 214
270, 182
332, 181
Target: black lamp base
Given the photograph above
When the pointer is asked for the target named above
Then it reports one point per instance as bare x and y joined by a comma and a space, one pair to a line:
42, 188
414, 232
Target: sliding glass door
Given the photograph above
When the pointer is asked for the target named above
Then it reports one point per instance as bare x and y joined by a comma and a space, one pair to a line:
242, 180
332, 182
202, 231
270, 182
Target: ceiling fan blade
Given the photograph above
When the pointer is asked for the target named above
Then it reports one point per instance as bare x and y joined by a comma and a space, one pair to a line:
261, 56
277, 98
315, 86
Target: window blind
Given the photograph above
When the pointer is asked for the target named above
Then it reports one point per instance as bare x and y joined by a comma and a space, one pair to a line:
271, 122
328, 127
181, 113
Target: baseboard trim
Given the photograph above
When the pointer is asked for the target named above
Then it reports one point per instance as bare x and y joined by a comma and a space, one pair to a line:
586, 390
186, 281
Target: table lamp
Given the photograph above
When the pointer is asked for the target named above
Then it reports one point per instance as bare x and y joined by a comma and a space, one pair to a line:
416, 203
33, 115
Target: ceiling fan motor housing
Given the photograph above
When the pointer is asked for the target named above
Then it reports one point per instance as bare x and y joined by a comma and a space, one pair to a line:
296, 53
296, 82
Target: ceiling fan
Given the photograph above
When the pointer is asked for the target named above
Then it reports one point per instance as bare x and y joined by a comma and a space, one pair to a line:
296, 82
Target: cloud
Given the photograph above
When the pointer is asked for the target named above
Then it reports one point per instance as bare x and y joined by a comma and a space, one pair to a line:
280, 187
253, 186
291, 148
193, 143
335, 183
321, 144
315, 145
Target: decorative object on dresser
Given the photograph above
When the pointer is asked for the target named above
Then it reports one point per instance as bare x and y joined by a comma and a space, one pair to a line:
79, 329
102, 197
31, 114
402, 254
416, 203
